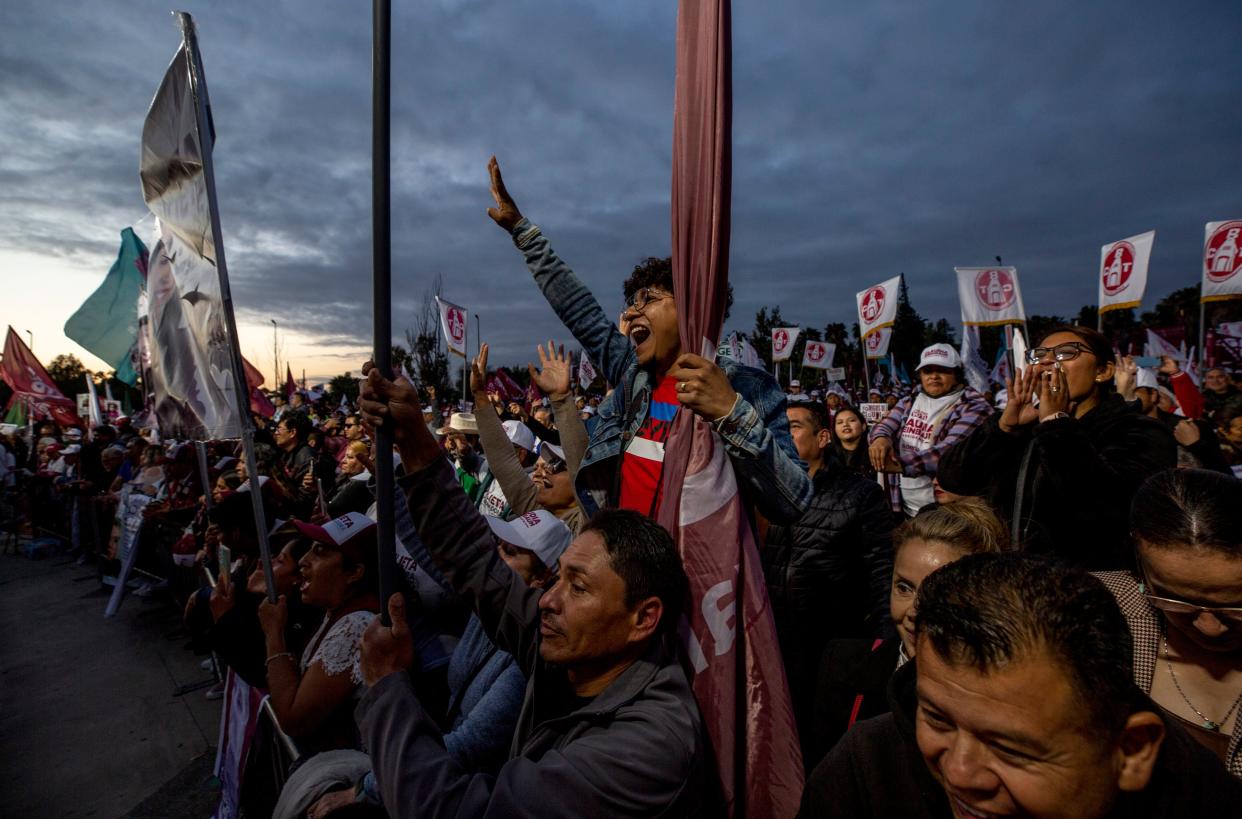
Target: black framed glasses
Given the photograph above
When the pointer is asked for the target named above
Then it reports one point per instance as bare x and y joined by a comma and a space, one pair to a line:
643, 296
1062, 352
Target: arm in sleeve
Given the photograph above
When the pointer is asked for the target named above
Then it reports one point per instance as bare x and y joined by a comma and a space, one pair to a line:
765, 460
503, 462
917, 464
461, 543
483, 736
573, 303
982, 460
1188, 396
573, 431
637, 768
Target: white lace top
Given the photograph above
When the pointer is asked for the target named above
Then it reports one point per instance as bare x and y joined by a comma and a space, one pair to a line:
341, 648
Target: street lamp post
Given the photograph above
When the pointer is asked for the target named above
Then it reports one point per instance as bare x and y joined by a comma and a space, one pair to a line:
275, 356
478, 326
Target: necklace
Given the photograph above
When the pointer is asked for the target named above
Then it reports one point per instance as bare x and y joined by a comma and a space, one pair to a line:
1208, 723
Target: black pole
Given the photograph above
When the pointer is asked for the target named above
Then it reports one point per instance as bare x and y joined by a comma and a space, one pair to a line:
381, 240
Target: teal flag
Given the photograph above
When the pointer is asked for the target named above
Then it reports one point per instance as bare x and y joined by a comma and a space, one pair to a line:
107, 322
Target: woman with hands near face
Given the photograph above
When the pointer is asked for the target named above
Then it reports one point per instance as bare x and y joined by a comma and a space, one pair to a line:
1067, 454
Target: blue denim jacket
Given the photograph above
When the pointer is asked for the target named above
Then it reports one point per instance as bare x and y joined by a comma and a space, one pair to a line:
755, 434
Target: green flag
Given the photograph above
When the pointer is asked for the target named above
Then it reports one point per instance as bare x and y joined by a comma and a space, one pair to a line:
107, 322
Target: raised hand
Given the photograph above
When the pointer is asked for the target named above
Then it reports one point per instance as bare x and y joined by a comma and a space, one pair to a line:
1054, 394
506, 213
387, 649
554, 377
1020, 411
478, 375
1125, 376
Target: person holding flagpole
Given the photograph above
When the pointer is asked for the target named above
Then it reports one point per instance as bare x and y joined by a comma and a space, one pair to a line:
655, 379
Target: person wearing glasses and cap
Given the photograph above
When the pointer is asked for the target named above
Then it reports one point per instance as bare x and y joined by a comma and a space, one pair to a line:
1063, 471
1184, 603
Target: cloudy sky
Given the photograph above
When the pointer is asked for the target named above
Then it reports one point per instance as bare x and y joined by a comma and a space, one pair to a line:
869, 139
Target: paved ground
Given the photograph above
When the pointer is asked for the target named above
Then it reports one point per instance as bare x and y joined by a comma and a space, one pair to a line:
89, 725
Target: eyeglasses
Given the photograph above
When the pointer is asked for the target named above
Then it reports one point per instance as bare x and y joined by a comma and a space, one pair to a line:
644, 296
1062, 352
552, 464
1228, 615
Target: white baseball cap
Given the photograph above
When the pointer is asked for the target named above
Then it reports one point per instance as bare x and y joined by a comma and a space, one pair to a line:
795, 383
939, 355
352, 533
537, 531
520, 435
72, 449
1146, 378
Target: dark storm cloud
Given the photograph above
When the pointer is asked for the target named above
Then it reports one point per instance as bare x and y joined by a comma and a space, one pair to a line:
868, 140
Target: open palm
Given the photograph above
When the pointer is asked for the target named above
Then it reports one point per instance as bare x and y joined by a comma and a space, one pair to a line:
553, 377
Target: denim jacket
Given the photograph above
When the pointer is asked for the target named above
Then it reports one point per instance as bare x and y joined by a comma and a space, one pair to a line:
755, 434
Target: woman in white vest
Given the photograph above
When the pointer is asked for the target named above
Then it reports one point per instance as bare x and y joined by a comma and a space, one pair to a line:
908, 443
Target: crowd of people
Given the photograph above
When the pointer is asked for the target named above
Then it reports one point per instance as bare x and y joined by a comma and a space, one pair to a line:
1024, 602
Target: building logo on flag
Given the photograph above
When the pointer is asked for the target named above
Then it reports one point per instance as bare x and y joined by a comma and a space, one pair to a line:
453, 323
995, 288
815, 352
874, 342
783, 339
1118, 265
1222, 255
872, 305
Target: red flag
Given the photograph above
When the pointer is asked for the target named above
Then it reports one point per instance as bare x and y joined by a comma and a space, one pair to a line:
291, 386
32, 384
258, 401
504, 384
739, 678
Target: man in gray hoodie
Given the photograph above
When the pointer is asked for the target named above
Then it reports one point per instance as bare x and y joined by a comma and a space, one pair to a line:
609, 726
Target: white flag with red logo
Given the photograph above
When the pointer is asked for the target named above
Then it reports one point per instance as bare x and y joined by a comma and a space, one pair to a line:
783, 339
818, 354
1222, 260
586, 371
989, 296
877, 307
876, 344
453, 323
1123, 271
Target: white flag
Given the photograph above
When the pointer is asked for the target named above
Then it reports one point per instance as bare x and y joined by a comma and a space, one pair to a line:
819, 354
750, 356
976, 367
783, 339
1158, 346
586, 371
192, 358
1123, 271
989, 295
1019, 351
453, 323
1222, 260
877, 308
876, 344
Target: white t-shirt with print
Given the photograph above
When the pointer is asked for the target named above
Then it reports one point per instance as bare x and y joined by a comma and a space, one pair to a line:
917, 434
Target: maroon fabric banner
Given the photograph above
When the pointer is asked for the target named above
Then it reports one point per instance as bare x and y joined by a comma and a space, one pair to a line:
258, 401
291, 386
729, 632
32, 384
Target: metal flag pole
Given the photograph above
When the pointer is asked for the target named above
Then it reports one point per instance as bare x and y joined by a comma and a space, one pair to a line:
200, 449
1203, 356
241, 392
381, 354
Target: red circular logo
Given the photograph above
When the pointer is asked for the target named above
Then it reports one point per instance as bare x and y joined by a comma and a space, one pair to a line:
1118, 265
872, 306
1223, 256
814, 352
781, 339
873, 342
995, 289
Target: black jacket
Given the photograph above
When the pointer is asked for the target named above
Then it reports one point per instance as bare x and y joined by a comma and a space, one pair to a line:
877, 771
852, 674
1075, 477
828, 573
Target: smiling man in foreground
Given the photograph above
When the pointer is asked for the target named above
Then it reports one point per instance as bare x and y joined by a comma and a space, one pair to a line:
1021, 702
609, 726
